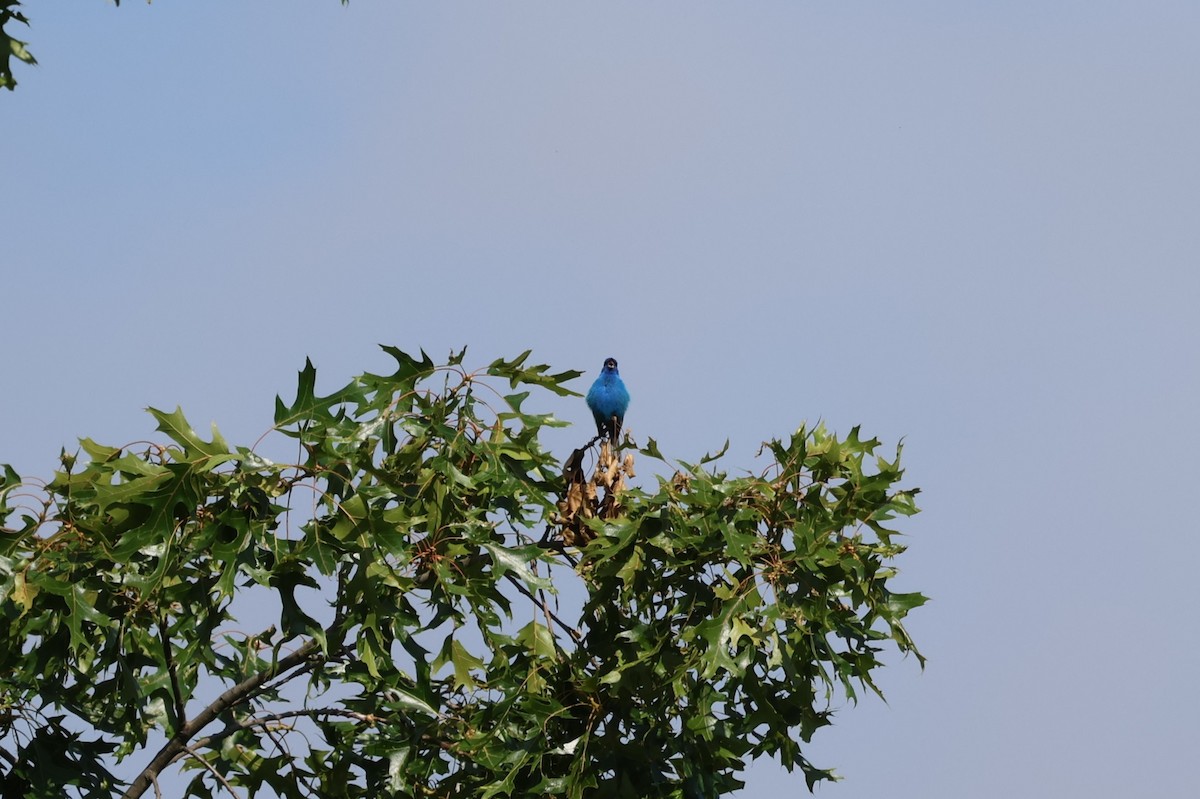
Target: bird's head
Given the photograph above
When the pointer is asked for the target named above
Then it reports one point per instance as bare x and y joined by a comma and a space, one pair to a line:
610, 365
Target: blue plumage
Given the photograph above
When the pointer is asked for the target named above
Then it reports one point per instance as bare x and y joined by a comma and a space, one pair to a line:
608, 400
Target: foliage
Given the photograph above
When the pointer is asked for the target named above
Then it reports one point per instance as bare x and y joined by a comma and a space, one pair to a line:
407, 564
10, 46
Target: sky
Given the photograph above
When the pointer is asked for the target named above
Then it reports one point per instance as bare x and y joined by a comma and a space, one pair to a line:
969, 226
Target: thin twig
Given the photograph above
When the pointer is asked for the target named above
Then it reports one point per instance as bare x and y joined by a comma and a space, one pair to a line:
271, 718
368, 718
204, 762
542, 599
281, 748
571, 631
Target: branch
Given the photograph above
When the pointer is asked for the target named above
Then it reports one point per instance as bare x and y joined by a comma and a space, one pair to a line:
368, 718
271, 718
178, 743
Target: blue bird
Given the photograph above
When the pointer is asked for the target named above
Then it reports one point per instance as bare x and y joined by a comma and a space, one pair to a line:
608, 400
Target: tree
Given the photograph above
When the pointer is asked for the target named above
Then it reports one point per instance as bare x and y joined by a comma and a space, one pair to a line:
418, 563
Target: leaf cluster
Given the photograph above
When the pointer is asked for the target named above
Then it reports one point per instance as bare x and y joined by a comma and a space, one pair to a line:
404, 573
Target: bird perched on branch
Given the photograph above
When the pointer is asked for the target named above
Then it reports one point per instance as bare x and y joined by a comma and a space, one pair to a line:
608, 400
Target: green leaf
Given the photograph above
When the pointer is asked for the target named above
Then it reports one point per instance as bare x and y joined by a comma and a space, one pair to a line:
409, 368
517, 560
517, 373
629, 569
10, 47
538, 639
709, 458
23, 593
464, 662
177, 427
409, 702
81, 610
900, 604
397, 761
651, 450
307, 405
98, 452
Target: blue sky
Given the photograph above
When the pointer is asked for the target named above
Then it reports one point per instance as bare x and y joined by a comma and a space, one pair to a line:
972, 226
